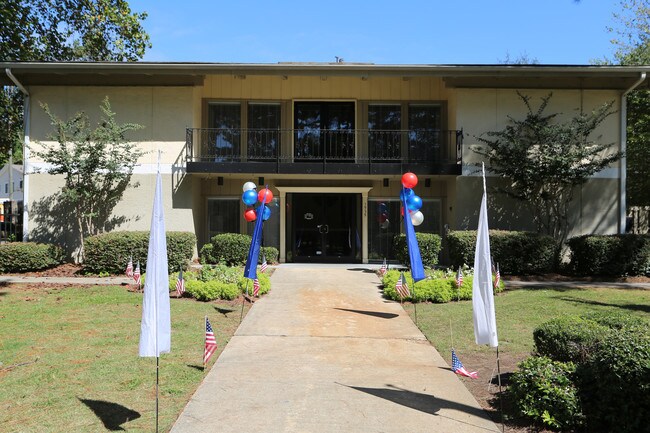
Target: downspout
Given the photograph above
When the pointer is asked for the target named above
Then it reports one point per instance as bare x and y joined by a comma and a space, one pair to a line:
26, 125
622, 206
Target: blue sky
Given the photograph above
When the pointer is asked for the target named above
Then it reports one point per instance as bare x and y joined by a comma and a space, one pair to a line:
379, 31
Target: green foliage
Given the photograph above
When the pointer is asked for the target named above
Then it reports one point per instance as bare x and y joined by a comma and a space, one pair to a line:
271, 254
187, 276
569, 338
97, 165
206, 254
545, 158
438, 286
517, 253
28, 256
610, 255
211, 290
615, 382
428, 243
110, 252
231, 248
543, 391
220, 272
265, 284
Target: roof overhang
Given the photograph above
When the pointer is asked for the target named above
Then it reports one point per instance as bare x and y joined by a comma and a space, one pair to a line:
193, 74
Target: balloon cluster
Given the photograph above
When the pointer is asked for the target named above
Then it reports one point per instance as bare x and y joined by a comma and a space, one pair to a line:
382, 215
251, 196
413, 202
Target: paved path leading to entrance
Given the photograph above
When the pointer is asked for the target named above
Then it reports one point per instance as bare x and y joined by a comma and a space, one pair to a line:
324, 352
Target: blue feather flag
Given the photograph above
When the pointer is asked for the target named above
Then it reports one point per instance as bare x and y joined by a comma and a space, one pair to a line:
417, 270
250, 270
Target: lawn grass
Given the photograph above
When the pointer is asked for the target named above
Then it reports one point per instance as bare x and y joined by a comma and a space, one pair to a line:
87, 375
518, 313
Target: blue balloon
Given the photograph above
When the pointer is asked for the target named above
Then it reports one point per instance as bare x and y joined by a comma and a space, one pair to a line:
414, 203
406, 193
267, 213
249, 197
382, 208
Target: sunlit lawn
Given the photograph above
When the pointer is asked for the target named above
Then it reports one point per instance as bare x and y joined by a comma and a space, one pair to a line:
82, 372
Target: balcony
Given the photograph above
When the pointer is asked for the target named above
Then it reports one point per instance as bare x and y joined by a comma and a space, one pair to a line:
320, 151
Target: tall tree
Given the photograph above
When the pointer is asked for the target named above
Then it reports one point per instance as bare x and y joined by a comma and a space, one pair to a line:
63, 30
97, 165
543, 159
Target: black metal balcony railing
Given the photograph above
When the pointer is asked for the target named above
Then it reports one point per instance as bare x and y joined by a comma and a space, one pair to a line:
346, 151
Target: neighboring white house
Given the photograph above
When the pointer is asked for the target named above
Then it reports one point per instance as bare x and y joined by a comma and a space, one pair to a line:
9, 177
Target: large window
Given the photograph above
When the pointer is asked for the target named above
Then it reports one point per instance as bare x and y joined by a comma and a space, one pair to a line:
223, 215
263, 130
324, 130
384, 135
224, 136
425, 123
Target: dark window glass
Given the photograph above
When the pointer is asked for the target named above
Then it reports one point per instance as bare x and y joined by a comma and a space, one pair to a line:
263, 131
384, 223
324, 130
223, 138
424, 132
223, 216
384, 135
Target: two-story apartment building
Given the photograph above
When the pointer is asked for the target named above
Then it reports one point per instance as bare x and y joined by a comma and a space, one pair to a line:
331, 141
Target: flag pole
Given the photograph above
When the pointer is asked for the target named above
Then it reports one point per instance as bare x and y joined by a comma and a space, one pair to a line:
415, 304
205, 326
157, 371
241, 316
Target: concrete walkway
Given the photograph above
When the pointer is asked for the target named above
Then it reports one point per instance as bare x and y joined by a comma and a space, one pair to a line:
324, 352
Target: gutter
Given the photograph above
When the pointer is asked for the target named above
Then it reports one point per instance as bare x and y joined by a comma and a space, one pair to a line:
26, 127
622, 206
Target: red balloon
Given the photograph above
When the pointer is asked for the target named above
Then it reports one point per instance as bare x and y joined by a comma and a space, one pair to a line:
409, 180
250, 215
269, 195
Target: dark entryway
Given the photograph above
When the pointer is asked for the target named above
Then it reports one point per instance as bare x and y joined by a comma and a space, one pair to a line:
324, 228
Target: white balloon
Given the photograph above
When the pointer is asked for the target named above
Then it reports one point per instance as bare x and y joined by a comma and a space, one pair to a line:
249, 186
417, 218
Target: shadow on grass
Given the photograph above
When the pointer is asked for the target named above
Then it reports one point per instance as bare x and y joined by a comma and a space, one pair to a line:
371, 313
364, 270
112, 415
223, 311
196, 367
633, 307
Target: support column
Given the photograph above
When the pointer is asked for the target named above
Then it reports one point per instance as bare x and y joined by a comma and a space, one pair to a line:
283, 226
364, 227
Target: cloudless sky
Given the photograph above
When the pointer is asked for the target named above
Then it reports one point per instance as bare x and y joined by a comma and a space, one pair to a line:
378, 31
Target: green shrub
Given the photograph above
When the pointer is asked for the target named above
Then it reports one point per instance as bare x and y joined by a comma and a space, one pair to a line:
428, 243
206, 256
610, 255
543, 390
265, 284
173, 278
28, 256
517, 253
569, 338
438, 286
220, 272
271, 254
110, 252
231, 248
615, 383
211, 290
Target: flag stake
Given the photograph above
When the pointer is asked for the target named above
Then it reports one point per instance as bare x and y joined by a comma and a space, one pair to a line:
157, 370
503, 426
241, 316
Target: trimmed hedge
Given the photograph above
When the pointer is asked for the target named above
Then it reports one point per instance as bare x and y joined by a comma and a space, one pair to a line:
569, 338
429, 244
28, 256
110, 252
232, 249
610, 255
517, 253
439, 287
223, 287
543, 390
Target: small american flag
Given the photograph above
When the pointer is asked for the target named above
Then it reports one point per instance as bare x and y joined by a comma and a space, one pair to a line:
180, 284
384, 267
401, 287
136, 274
459, 277
256, 287
129, 268
264, 265
457, 367
210, 342
497, 278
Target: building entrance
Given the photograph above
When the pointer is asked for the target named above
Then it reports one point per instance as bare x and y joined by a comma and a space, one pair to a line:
324, 227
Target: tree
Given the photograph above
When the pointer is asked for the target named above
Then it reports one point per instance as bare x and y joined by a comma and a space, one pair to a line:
97, 165
543, 159
63, 30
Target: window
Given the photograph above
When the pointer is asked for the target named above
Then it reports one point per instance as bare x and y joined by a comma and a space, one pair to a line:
425, 121
263, 130
21, 184
223, 216
384, 135
6, 188
324, 130
384, 223
224, 136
